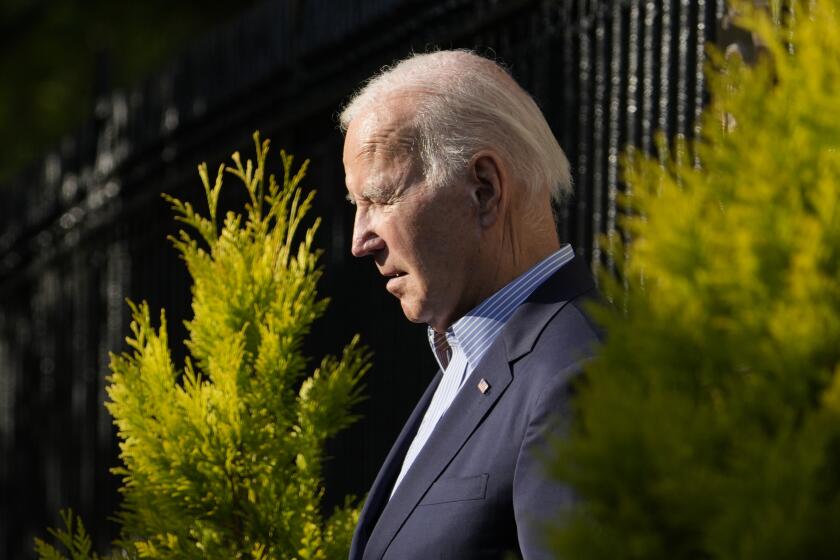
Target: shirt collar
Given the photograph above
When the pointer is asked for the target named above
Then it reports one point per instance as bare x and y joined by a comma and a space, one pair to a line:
477, 330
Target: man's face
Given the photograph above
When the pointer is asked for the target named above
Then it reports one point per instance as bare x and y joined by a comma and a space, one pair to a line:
424, 241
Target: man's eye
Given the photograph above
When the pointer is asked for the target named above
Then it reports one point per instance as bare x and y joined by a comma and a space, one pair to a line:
370, 202
362, 202
384, 200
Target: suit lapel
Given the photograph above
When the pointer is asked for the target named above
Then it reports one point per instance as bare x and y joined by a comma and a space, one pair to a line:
454, 428
465, 414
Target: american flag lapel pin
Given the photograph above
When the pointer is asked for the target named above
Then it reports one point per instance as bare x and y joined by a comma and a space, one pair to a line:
483, 385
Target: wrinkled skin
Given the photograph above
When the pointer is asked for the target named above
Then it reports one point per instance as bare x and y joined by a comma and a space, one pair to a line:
430, 237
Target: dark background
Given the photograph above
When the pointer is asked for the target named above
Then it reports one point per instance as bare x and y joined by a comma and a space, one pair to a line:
83, 227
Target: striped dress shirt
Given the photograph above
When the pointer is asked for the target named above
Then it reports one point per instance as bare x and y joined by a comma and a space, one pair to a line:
459, 350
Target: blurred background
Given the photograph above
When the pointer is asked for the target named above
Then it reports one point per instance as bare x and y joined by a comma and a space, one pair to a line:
105, 105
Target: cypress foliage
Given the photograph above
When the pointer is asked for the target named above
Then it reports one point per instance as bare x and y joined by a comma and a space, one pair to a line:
709, 426
223, 458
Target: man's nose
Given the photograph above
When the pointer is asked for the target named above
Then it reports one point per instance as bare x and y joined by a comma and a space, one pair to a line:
365, 239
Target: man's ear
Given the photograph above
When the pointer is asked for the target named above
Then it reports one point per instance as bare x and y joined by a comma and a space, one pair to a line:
489, 187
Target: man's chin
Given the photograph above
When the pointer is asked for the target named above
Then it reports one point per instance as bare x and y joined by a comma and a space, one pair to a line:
412, 313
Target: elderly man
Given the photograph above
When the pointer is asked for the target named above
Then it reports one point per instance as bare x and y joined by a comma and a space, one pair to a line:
452, 169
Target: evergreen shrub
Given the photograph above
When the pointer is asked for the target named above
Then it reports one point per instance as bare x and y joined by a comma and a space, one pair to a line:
222, 459
709, 425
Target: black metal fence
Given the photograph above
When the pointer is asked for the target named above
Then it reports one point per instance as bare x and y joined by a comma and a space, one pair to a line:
85, 227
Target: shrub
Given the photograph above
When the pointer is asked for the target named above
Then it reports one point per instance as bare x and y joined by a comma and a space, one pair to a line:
709, 426
222, 459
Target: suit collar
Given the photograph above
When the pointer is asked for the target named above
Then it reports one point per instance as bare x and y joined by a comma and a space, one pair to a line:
479, 327
529, 320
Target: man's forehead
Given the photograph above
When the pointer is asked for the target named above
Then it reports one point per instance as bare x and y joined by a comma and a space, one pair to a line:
385, 129
390, 143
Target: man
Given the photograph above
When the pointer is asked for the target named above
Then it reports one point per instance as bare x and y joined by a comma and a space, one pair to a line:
452, 168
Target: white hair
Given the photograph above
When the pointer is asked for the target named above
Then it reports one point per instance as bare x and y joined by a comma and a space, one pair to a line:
466, 103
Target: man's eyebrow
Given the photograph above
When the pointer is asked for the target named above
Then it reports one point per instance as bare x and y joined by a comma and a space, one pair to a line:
371, 192
376, 192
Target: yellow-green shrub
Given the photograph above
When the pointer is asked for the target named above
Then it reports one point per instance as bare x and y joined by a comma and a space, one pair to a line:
222, 459
709, 427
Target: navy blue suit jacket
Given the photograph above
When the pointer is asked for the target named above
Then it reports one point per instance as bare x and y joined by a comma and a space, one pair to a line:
478, 487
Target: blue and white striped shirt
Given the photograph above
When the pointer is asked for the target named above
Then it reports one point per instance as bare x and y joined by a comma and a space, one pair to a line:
459, 350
